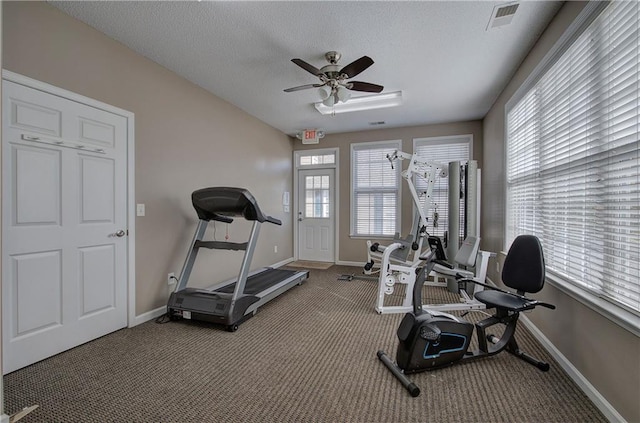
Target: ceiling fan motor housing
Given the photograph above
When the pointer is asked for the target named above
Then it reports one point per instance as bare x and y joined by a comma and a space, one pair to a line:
332, 57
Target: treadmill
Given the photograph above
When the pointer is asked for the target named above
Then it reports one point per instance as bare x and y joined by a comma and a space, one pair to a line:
229, 303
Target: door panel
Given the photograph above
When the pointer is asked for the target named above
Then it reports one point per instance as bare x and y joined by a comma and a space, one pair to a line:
64, 271
96, 189
37, 285
316, 215
36, 186
97, 279
35, 118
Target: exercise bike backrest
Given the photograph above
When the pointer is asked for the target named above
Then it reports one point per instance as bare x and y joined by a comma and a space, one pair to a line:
521, 269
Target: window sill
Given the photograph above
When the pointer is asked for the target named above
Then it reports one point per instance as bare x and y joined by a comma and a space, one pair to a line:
623, 318
373, 237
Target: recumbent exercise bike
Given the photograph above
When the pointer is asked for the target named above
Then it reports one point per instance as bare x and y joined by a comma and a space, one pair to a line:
431, 340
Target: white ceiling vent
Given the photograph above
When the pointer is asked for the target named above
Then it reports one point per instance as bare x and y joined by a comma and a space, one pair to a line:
502, 15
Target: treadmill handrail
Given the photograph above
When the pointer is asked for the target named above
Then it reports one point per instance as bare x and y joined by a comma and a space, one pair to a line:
271, 219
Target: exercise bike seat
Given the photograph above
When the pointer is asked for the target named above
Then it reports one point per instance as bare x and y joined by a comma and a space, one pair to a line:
498, 299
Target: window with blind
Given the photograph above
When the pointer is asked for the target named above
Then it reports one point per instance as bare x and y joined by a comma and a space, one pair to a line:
375, 190
442, 150
573, 159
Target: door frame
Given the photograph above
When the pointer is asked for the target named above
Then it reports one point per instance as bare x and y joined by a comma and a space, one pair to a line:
336, 193
131, 210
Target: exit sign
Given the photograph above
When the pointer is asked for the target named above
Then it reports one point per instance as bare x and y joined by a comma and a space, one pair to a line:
310, 136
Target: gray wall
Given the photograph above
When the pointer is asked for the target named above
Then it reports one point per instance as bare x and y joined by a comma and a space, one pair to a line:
354, 249
606, 354
185, 139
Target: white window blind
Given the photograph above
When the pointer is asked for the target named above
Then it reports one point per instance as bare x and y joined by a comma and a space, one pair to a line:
375, 190
443, 150
573, 160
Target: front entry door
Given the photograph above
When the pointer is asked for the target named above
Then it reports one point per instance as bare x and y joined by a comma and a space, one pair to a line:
316, 215
64, 224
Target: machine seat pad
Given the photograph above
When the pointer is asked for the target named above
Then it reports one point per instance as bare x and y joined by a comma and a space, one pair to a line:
493, 298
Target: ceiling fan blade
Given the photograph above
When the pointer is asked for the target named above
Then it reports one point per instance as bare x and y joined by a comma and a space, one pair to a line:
364, 86
302, 87
309, 68
354, 68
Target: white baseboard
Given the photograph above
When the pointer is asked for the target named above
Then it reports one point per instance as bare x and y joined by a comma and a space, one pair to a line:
598, 400
283, 262
350, 263
149, 315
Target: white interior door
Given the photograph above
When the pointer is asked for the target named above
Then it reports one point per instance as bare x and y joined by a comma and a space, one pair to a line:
316, 215
64, 251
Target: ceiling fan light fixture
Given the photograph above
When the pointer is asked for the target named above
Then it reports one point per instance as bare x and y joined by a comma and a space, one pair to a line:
324, 92
369, 102
329, 101
343, 94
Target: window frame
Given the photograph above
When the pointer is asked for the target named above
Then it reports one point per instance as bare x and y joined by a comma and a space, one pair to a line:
620, 315
298, 154
392, 145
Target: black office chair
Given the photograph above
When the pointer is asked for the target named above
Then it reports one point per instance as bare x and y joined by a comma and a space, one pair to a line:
524, 271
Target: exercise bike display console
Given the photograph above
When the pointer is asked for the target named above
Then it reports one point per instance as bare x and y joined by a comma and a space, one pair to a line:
430, 340
231, 302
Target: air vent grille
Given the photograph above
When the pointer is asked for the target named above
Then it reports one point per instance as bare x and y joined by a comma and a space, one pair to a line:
507, 10
502, 15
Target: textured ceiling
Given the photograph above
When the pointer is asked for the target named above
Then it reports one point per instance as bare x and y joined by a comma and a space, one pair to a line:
448, 66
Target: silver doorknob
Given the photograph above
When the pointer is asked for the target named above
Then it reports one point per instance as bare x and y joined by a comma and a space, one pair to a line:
119, 234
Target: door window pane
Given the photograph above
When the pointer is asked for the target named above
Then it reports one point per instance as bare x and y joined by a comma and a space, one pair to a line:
317, 196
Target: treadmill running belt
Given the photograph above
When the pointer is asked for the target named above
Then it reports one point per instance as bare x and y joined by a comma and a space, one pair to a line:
260, 281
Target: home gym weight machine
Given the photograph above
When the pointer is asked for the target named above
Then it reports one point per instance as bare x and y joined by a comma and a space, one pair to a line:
231, 302
399, 260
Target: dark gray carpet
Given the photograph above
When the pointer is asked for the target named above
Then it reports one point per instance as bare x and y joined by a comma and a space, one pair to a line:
308, 356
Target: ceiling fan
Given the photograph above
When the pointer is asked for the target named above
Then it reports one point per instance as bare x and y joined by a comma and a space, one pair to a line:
334, 85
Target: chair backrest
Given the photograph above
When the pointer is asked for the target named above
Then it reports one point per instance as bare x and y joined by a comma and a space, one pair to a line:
466, 255
523, 268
